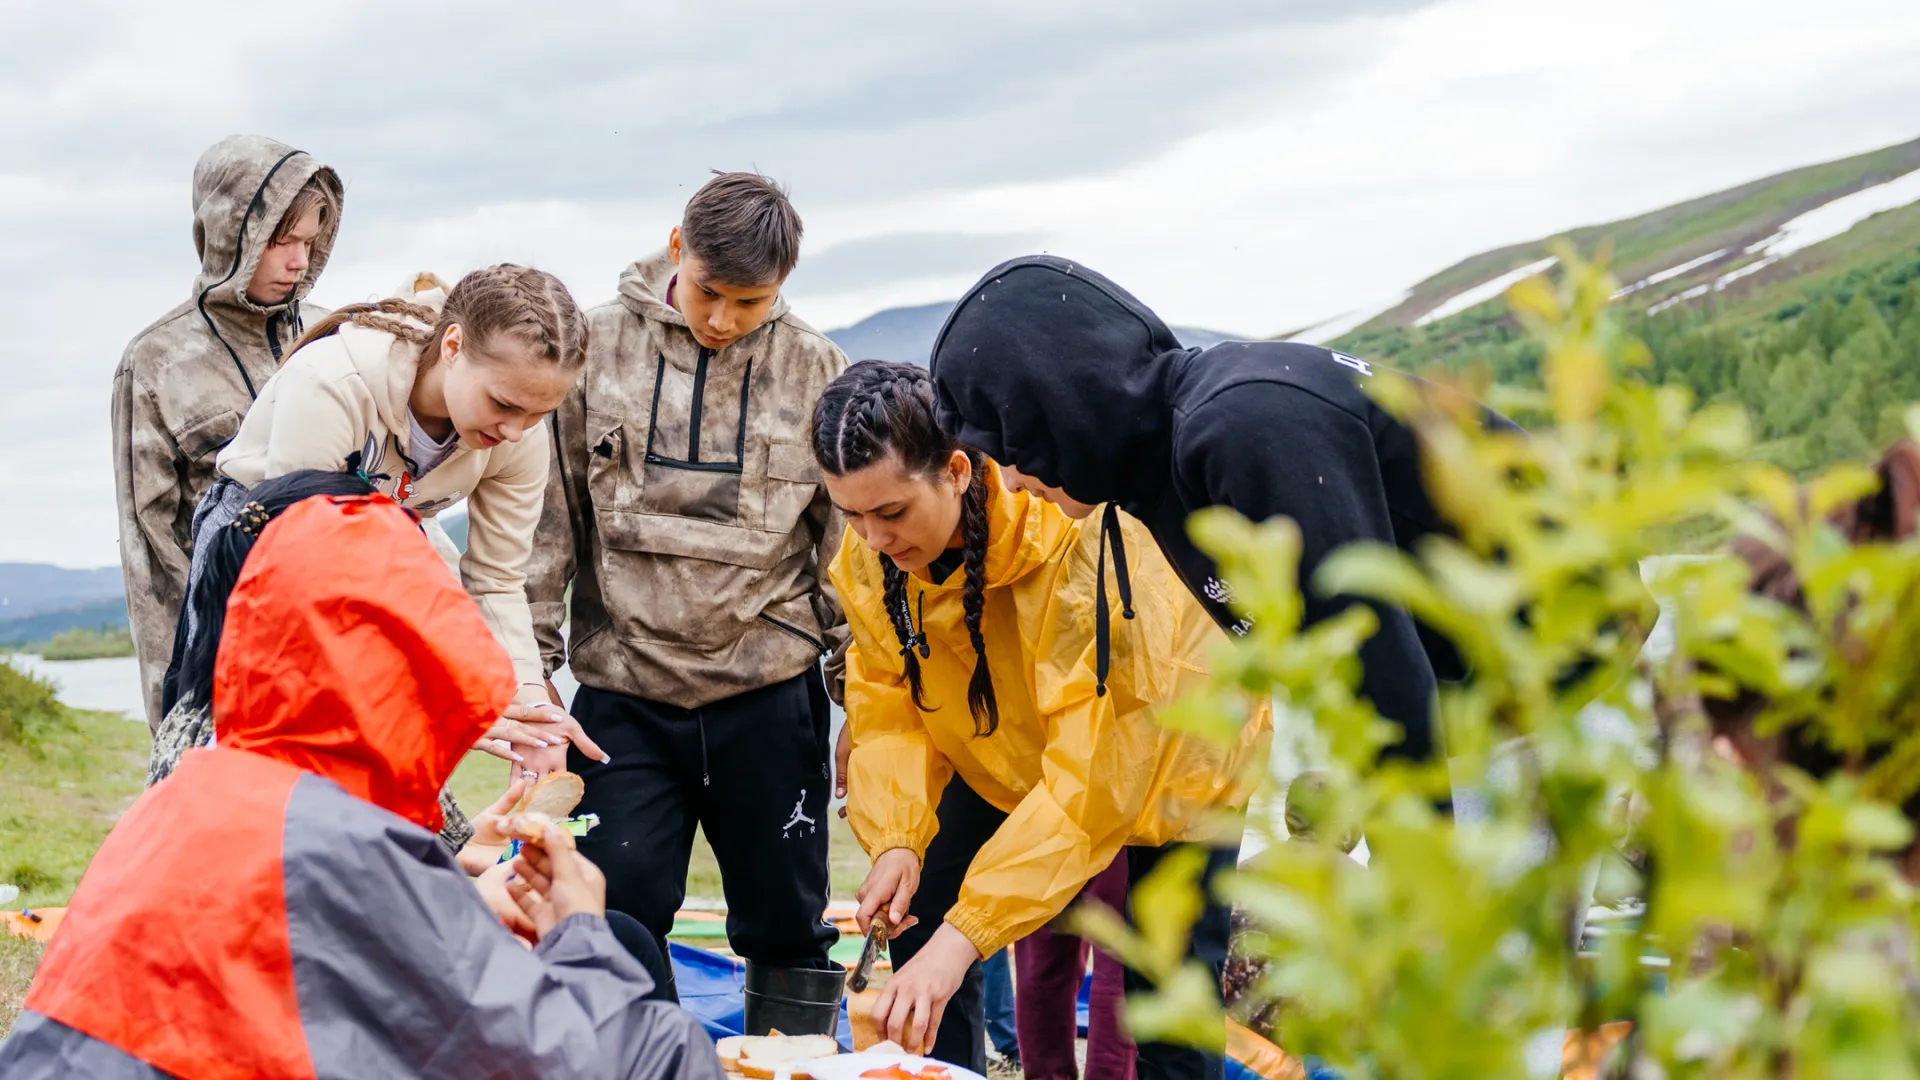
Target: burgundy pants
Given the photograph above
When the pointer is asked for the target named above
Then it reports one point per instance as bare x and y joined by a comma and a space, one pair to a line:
1047, 969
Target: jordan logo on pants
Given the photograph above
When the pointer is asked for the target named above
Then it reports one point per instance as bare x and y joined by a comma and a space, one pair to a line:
798, 819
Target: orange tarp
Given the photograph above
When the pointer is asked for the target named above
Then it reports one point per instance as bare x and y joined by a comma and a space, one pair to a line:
39, 926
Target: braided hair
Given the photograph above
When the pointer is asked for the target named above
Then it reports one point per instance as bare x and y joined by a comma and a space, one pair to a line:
531, 305
876, 410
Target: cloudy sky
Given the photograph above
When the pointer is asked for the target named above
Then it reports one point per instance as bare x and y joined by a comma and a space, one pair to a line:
1247, 165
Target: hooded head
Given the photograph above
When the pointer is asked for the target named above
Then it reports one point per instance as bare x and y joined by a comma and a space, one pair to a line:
1052, 369
350, 651
242, 187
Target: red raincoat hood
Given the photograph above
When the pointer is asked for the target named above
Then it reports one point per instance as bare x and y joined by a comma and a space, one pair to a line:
351, 651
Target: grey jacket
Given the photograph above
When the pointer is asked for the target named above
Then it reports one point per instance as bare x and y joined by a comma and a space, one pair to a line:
398, 970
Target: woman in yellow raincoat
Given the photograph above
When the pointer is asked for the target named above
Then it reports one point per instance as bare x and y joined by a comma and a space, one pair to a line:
1001, 701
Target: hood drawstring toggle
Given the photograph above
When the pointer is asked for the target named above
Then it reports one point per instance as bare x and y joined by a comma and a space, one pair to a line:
1102, 621
916, 637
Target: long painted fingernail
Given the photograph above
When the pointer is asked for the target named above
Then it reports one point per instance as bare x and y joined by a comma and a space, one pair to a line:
517, 757
606, 759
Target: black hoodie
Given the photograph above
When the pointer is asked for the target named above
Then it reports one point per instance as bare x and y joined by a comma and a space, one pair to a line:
1051, 368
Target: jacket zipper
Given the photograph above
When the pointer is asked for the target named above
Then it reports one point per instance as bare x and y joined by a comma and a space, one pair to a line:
818, 645
699, 400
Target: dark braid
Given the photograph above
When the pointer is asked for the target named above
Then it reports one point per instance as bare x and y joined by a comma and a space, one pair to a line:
973, 528
913, 644
191, 672
876, 409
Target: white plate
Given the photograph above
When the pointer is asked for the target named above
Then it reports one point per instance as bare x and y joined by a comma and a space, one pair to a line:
850, 1066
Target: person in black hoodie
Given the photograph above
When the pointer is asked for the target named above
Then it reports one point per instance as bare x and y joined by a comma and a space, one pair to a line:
1084, 396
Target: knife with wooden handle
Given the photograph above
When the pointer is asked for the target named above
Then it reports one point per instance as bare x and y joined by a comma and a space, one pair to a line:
876, 940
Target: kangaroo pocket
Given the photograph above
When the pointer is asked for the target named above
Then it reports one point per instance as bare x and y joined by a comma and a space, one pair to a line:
683, 580
695, 459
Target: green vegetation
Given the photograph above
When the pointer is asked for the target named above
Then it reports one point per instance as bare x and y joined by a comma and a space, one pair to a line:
1775, 894
1672, 235
1826, 363
66, 784
61, 796
107, 641
30, 714
18, 958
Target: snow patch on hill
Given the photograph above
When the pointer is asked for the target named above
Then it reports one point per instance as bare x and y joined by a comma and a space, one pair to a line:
1486, 290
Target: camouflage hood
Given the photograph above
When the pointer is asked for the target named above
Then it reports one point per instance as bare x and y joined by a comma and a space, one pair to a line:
643, 291
188, 377
242, 186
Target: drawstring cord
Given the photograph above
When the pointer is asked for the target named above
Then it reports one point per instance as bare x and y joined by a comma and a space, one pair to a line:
1102, 622
916, 634
700, 719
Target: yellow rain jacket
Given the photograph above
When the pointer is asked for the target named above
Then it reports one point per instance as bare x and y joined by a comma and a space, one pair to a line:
1080, 775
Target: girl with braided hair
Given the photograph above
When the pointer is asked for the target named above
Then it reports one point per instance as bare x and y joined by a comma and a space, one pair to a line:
434, 396
1002, 750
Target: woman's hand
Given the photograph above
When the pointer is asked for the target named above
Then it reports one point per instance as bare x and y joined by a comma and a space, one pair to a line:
891, 883
552, 882
534, 736
842, 753
915, 997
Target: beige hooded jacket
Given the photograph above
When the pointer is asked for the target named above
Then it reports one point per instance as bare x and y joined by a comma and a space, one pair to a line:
342, 401
185, 381
685, 509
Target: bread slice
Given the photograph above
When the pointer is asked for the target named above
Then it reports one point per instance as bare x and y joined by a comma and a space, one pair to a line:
531, 828
763, 1057
729, 1049
555, 795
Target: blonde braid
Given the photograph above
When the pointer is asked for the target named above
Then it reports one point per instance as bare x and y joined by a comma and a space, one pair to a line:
532, 305
380, 317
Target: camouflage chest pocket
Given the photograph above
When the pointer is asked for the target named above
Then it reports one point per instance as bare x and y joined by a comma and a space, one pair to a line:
206, 436
689, 478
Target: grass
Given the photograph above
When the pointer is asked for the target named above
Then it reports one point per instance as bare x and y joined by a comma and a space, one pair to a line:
58, 802
18, 958
86, 644
481, 778
61, 798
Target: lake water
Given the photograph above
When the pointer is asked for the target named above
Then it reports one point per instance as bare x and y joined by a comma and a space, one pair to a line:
111, 685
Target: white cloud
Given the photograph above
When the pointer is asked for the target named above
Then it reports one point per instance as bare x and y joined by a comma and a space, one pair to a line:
1239, 164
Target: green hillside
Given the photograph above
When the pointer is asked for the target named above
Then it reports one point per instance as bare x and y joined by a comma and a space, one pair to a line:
1822, 345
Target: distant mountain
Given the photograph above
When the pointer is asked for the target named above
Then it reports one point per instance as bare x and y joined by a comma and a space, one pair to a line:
1796, 296
22, 630
906, 334
1744, 251
31, 588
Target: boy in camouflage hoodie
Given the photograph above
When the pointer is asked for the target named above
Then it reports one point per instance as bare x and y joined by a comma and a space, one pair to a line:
264, 220
685, 510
